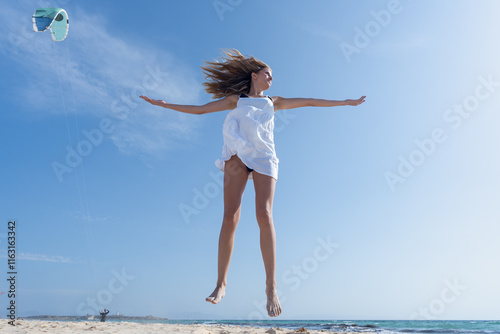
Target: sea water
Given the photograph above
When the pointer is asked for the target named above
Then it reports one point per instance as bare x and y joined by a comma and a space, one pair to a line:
374, 326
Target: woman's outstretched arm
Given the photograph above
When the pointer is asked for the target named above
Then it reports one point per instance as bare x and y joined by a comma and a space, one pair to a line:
229, 102
287, 103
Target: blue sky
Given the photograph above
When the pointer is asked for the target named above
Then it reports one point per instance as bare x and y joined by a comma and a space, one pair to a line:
384, 211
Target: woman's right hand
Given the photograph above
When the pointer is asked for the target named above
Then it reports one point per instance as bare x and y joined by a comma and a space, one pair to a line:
160, 103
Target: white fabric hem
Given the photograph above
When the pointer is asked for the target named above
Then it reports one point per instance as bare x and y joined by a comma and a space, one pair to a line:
220, 163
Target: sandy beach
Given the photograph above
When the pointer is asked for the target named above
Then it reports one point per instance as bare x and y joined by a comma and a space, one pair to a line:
35, 326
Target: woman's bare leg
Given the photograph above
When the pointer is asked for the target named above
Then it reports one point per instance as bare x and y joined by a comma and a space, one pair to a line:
235, 180
264, 194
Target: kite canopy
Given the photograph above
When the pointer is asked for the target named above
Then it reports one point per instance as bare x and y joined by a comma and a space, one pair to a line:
55, 19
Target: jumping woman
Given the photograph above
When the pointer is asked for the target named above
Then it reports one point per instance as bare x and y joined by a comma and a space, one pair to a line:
239, 82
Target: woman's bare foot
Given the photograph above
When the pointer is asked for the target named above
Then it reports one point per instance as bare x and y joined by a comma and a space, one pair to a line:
273, 303
217, 295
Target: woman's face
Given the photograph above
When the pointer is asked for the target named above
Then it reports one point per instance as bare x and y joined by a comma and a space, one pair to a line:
263, 78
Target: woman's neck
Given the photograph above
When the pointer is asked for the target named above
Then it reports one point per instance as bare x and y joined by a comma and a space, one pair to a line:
256, 93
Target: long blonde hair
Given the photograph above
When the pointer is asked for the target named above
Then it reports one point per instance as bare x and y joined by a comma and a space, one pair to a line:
231, 76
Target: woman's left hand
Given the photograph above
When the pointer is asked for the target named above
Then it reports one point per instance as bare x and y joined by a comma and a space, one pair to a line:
355, 102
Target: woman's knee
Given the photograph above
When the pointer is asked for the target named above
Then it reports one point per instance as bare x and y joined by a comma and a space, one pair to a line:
231, 217
264, 215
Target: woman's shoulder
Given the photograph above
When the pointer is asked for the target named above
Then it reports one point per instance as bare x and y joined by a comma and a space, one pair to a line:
232, 98
276, 99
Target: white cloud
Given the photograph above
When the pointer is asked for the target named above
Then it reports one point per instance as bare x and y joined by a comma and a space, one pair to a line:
380, 44
88, 218
96, 73
38, 257
316, 30
56, 292
401, 45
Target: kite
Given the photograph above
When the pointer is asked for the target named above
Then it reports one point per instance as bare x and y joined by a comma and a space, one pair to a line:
55, 19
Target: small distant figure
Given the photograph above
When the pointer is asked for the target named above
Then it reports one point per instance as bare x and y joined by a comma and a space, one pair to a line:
103, 315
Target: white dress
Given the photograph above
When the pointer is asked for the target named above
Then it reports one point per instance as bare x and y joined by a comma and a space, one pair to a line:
248, 133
